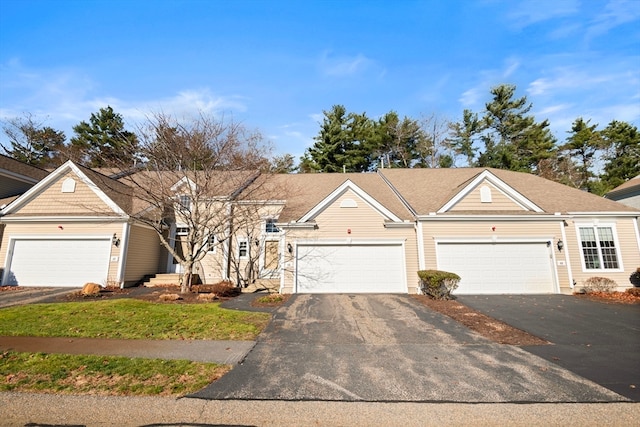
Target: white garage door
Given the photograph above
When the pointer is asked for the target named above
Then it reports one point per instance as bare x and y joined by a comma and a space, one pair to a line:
500, 268
50, 262
350, 269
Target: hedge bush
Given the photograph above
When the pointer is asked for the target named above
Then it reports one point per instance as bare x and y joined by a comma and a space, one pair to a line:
635, 278
599, 284
438, 284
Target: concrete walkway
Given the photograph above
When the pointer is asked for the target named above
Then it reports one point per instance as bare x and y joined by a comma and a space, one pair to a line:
226, 352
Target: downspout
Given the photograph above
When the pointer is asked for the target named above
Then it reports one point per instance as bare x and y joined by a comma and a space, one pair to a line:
229, 241
124, 246
420, 242
566, 256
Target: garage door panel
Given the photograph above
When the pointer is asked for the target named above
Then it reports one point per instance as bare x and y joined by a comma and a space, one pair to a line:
55, 262
350, 268
495, 268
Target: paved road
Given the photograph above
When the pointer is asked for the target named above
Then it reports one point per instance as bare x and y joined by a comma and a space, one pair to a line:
389, 348
596, 340
20, 409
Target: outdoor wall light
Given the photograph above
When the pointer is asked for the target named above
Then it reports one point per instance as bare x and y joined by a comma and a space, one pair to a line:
289, 248
115, 240
560, 245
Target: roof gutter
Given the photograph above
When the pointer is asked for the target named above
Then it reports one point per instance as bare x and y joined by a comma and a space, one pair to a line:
448, 217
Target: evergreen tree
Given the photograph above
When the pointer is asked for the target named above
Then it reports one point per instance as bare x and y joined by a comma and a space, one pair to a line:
463, 136
623, 154
581, 146
33, 143
512, 139
103, 142
344, 143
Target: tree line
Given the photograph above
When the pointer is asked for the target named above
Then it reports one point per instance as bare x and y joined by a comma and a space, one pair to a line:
503, 135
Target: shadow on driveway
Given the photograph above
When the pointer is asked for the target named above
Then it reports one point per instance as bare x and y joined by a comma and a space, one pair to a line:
596, 340
390, 348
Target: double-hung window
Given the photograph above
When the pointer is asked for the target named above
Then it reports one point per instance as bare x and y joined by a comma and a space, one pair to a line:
243, 248
185, 202
598, 246
211, 243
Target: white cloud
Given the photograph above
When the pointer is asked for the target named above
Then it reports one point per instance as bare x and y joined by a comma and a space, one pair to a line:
64, 97
341, 66
525, 13
616, 12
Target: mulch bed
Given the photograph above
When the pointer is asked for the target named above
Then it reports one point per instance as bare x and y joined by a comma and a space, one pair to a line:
484, 325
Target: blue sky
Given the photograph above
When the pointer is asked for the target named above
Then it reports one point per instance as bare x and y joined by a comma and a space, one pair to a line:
276, 65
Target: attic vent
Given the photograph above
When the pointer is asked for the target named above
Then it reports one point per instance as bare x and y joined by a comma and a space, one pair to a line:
348, 203
485, 194
69, 186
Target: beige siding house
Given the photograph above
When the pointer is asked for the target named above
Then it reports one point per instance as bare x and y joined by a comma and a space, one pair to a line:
501, 231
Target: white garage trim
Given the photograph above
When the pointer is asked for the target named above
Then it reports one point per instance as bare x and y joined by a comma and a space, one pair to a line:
488, 268
340, 277
94, 260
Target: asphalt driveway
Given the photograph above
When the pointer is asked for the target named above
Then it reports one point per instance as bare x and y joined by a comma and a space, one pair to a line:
596, 340
389, 348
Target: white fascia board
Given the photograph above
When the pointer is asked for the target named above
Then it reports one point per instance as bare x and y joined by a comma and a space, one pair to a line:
106, 219
67, 166
492, 217
349, 185
406, 224
506, 189
184, 180
495, 239
349, 241
604, 214
298, 225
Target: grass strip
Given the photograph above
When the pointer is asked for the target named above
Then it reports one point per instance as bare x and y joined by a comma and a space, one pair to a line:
100, 375
131, 319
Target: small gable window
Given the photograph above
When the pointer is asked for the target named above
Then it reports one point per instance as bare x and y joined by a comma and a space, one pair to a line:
270, 227
69, 185
348, 203
485, 194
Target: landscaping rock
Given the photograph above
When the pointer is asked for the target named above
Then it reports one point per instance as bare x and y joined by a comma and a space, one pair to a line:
170, 297
91, 289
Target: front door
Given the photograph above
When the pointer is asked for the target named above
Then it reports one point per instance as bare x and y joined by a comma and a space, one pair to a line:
179, 246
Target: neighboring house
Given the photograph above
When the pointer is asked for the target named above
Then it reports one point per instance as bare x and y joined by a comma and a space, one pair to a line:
627, 193
16, 178
75, 226
501, 231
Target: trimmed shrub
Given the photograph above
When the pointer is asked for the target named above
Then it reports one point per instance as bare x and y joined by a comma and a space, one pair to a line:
633, 291
599, 284
438, 284
635, 278
226, 289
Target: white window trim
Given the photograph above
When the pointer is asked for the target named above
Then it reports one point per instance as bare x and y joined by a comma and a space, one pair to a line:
246, 241
616, 241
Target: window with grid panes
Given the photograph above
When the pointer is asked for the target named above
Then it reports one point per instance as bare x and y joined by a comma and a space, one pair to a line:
598, 248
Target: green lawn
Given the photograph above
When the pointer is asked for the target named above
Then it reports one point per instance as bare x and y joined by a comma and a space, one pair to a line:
131, 319
64, 373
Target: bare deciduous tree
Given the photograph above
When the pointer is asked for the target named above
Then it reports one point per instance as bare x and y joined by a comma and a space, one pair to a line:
195, 175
